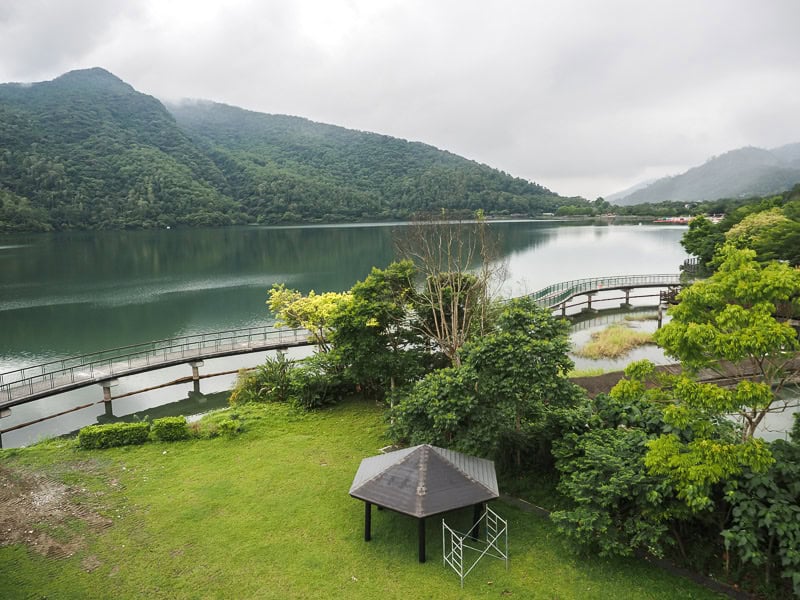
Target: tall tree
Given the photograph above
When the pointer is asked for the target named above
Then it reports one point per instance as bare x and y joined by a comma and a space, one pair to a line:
313, 312
505, 384
461, 277
370, 334
729, 323
770, 233
734, 323
702, 239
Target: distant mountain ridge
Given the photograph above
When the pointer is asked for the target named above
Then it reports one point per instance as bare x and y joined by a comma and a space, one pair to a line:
739, 173
87, 151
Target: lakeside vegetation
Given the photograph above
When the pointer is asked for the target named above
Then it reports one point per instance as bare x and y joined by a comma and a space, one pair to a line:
614, 341
769, 226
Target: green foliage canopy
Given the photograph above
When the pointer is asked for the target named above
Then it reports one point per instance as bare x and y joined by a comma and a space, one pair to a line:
506, 382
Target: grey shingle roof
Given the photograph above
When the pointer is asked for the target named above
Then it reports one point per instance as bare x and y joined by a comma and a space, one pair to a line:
425, 480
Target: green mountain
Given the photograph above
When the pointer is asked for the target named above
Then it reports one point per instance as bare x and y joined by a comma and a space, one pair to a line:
741, 173
87, 151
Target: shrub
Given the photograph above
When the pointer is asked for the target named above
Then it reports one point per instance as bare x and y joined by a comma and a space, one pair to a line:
227, 422
117, 434
230, 427
764, 528
269, 382
170, 429
246, 389
315, 384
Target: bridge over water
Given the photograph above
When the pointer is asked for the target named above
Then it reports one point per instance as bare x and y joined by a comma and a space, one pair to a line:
557, 295
39, 381
31, 383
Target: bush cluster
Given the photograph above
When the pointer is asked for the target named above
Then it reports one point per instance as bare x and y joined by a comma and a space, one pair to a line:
117, 434
166, 429
170, 429
315, 383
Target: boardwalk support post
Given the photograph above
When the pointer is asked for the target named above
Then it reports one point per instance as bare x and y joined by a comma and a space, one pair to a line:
196, 364
589, 303
627, 303
5, 412
107, 385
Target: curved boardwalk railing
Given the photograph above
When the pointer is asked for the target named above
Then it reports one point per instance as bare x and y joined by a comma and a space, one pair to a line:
558, 293
30, 383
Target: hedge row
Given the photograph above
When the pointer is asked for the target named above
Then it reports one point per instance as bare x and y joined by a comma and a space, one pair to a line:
167, 429
170, 429
117, 434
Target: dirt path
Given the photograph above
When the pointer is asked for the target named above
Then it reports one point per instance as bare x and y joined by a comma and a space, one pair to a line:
43, 514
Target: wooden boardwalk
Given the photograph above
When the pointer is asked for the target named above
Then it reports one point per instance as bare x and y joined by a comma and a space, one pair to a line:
558, 294
31, 383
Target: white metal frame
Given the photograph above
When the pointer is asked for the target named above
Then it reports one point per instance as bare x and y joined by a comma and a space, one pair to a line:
495, 535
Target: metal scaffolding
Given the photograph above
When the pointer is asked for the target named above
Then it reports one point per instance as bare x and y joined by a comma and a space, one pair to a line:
494, 543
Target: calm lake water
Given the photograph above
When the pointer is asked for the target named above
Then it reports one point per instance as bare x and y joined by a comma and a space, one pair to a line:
72, 293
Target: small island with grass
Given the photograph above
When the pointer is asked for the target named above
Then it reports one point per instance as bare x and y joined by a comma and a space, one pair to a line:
615, 341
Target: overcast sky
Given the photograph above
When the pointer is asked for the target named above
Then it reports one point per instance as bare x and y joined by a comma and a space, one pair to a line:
585, 97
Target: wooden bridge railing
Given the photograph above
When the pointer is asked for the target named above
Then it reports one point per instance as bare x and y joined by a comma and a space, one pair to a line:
556, 294
24, 384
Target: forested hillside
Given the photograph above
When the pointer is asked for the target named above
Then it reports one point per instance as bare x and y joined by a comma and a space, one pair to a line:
739, 173
87, 151
287, 169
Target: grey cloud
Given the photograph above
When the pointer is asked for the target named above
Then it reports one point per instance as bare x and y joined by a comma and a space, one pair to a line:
577, 95
43, 38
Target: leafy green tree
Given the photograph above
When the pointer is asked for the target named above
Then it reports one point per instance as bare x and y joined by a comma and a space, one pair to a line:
506, 382
731, 323
764, 527
370, 334
314, 312
770, 233
521, 364
618, 506
702, 239
726, 323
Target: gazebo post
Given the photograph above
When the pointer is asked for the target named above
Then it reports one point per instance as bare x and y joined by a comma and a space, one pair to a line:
422, 539
477, 512
367, 521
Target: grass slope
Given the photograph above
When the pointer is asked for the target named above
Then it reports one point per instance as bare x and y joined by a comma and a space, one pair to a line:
267, 515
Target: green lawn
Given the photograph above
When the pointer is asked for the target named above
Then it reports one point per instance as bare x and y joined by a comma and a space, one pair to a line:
267, 515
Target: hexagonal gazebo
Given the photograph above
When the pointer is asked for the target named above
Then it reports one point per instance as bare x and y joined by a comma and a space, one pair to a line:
423, 481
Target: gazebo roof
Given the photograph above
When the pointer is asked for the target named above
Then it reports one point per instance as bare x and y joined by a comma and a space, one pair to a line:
425, 480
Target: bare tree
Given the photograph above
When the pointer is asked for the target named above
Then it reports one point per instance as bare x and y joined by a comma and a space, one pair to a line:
461, 276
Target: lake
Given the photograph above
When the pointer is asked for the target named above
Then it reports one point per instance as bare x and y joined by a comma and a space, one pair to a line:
67, 294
